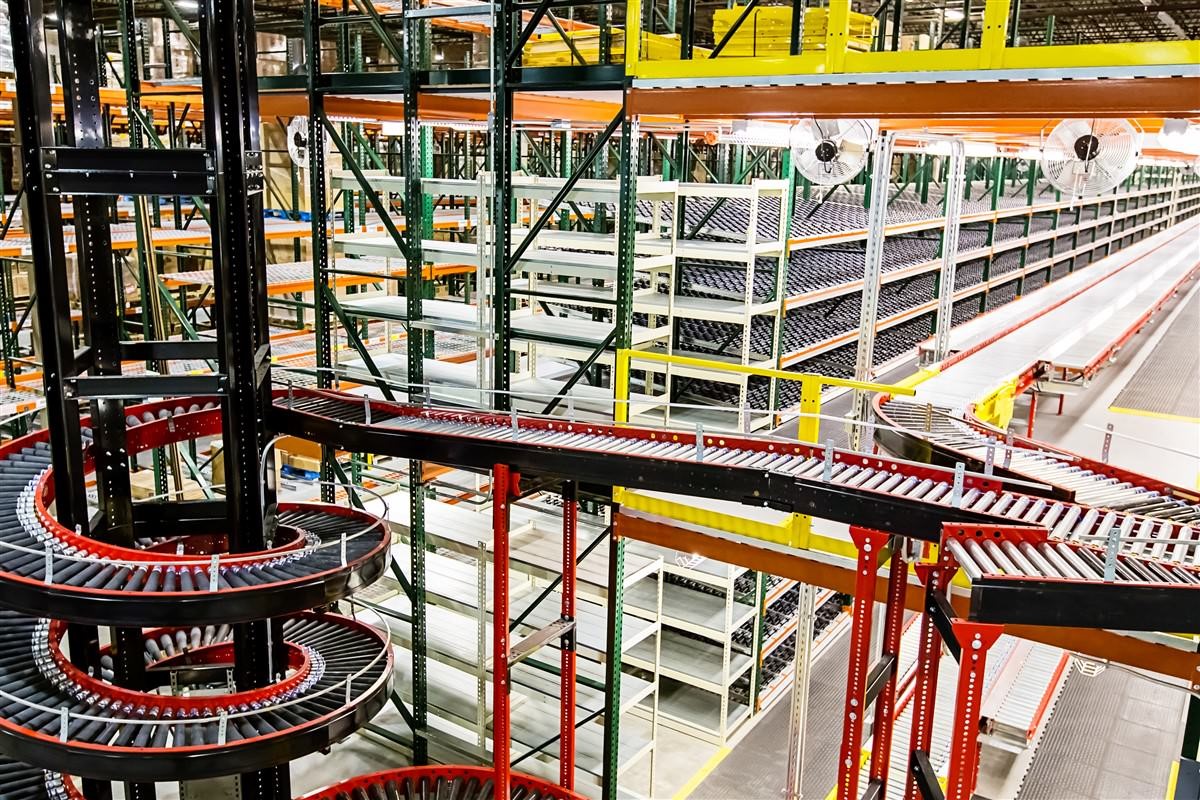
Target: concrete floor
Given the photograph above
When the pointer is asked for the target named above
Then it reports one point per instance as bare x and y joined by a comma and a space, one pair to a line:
1175, 459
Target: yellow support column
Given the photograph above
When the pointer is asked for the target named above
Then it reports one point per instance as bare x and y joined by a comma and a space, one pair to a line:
621, 388
837, 35
809, 427
808, 430
633, 35
995, 34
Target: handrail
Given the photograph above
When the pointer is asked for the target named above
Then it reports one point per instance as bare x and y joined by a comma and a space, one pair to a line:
811, 384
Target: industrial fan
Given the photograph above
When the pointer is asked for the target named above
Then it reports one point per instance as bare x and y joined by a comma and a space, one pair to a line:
297, 141
1090, 156
832, 151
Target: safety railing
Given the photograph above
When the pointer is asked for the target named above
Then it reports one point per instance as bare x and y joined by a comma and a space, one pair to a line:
811, 384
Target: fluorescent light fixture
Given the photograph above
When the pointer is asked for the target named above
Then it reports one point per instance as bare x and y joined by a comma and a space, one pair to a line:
954, 15
1180, 135
456, 124
187, 5
757, 134
392, 128
941, 147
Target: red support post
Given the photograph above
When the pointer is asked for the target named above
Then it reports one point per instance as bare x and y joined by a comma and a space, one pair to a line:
885, 703
975, 639
566, 743
501, 747
929, 656
869, 543
1032, 411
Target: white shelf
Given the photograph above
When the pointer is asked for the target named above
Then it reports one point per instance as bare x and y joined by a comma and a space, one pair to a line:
441, 315
689, 610
693, 662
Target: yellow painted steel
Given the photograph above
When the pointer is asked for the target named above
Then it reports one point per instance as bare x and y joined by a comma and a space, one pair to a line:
920, 376
767, 30
992, 54
997, 407
995, 33
837, 34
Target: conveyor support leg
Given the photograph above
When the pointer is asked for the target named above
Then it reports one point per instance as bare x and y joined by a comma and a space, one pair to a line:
869, 544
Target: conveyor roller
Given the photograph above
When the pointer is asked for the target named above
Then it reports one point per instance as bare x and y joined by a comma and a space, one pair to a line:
338, 674
851, 487
440, 782
323, 552
1091, 483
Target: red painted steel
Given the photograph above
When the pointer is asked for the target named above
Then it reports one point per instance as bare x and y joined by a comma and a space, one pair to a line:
975, 639
885, 703
501, 752
869, 543
430, 774
1032, 413
566, 746
937, 575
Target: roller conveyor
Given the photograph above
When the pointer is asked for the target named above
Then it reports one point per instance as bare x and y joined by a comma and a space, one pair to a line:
1091, 483
846, 486
52, 712
322, 552
449, 782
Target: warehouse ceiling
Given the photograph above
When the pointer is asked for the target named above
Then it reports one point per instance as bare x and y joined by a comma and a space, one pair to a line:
1074, 21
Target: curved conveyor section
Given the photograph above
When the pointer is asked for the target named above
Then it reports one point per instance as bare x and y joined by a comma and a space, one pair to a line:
326, 552
119, 734
937, 435
55, 715
449, 782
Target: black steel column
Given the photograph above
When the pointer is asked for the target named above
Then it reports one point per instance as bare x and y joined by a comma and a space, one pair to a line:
42, 214
502, 41
86, 128
231, 122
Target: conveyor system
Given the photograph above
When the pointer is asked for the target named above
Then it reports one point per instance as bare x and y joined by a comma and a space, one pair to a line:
54, 714
936, 434
901, 497
322, 552
120, 734
452, 783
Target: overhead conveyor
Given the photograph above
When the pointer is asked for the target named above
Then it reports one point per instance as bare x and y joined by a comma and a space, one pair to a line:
882, 494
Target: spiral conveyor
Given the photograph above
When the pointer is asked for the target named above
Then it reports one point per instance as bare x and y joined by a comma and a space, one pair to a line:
184, 593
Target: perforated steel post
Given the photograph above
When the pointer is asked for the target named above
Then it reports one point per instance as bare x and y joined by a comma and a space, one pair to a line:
566, 746
975, 639
929, 655
872, 271
869, 544
501, 755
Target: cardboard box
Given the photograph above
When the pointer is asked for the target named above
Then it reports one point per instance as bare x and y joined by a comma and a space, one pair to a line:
142, 487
